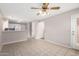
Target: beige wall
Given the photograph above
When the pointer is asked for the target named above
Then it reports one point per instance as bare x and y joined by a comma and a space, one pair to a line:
9, 37
13, 36
58, 28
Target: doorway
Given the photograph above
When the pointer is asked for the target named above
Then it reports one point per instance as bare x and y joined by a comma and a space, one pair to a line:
75, 31
38, 29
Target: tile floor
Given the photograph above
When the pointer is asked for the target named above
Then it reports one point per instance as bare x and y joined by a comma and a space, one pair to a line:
37, 48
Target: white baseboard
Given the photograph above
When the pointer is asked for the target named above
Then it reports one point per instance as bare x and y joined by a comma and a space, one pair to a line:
5, 43
45, 40
59, 44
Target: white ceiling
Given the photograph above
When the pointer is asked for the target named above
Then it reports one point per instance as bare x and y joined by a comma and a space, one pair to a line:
22, 12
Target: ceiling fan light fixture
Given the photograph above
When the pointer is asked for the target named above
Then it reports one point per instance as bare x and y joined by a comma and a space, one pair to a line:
45, 8
42, 13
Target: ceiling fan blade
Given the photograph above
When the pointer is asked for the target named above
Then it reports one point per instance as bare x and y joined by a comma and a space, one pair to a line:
35, 8
55, 8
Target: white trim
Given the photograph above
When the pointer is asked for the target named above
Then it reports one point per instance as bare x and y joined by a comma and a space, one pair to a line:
45, 40
60, 44
5, 43
74, 31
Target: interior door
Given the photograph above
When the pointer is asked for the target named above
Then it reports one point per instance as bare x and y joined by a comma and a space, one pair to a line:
74, 31
40, 30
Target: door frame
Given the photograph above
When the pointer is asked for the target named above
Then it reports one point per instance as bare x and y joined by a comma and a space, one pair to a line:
34, 29
37, 31
74, 43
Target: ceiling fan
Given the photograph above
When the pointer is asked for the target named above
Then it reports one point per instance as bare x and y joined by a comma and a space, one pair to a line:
45, 7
